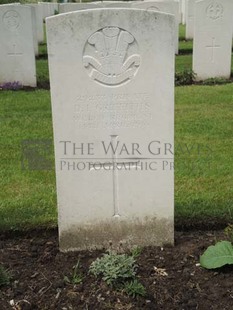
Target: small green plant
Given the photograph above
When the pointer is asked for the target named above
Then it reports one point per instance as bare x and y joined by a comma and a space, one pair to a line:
136, 251
216, 81
217, 255
76, 277
119, 271
4, 276
186, 77
114, 268
229, 232
221, 253
134, 288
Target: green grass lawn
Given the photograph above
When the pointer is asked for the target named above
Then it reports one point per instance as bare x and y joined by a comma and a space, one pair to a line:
27, 198
204, 178
203, 183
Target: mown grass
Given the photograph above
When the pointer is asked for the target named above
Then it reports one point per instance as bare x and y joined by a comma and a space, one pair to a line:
27, 198
203, 177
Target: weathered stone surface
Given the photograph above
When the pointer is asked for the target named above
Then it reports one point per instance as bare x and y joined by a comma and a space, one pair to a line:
112, 86
212, 39
17, 58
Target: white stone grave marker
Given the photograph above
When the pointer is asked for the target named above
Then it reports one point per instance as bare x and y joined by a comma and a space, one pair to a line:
39, 22
212, 39
166, 6
17, 59
189, 19
112, 87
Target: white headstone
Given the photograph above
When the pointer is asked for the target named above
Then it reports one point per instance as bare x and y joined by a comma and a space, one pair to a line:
183, 5
71, 7
48, 8
39, 22
115, 4
189, 19
180, 11
116, 69
34, 30
212, 39
17, 59
166, 6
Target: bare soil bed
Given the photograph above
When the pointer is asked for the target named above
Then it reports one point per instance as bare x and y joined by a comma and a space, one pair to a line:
38, 269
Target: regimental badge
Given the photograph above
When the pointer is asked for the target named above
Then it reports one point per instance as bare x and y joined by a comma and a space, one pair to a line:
214, 11
111, 56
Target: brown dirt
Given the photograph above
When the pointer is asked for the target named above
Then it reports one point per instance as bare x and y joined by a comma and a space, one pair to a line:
38, 270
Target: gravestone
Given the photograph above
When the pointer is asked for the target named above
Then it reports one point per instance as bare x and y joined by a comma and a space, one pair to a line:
180, 11
189, 19
115, 4
34, 30
183, 5
212, 39
166, 6
112, 119
48, 8
17, 59
71, 7
39, 22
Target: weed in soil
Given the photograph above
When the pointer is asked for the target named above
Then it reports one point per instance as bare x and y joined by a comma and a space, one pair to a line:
119, 272
4, 277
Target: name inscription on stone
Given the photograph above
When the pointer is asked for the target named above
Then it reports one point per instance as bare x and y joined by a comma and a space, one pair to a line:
113, 111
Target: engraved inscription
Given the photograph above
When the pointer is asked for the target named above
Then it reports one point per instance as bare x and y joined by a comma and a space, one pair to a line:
11, 20
111, 56
113, 111
214, 11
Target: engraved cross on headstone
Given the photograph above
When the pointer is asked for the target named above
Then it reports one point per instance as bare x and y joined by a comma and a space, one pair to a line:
213, 46
116, 165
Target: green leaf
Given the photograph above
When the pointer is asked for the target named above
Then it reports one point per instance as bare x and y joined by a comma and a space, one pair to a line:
218, 255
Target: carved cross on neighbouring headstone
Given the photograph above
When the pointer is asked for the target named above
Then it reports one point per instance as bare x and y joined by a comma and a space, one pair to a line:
15, 52
213, 47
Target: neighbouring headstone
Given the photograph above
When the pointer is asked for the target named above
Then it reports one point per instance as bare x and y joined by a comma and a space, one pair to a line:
17, 59
39, 22
183, 5
180, 11
189, 19
71, 7
166, 6
48, 8
212, 39
112, 88
34, 30
115, 4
